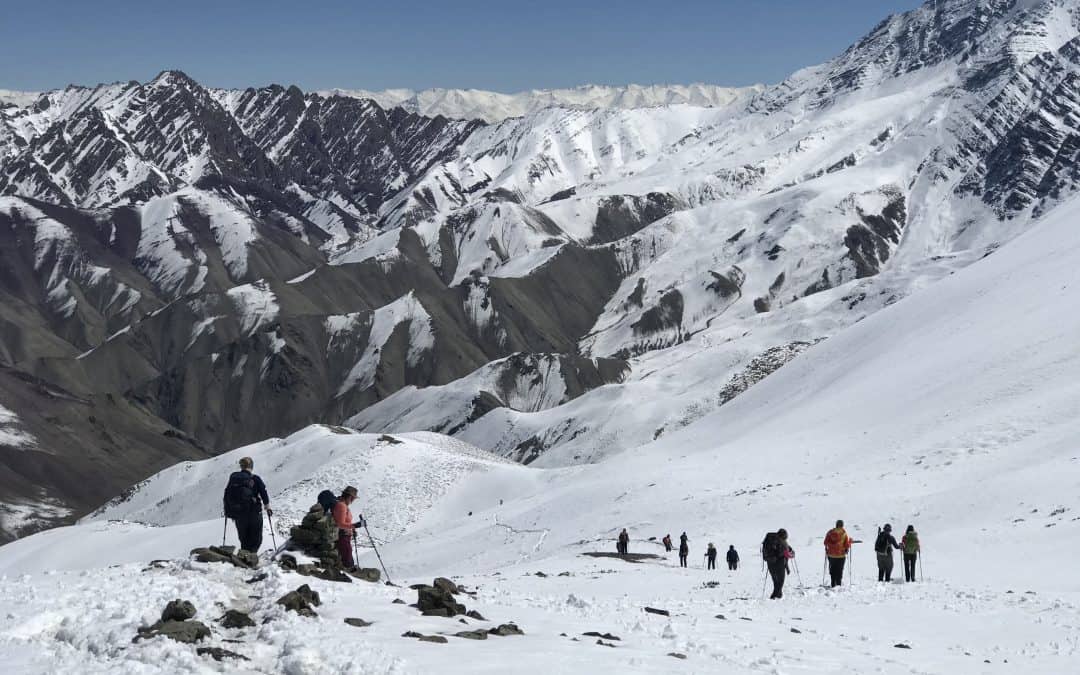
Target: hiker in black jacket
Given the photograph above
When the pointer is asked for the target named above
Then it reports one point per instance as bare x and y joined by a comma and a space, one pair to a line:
244, 497
776, 552
732, 558
710, 555
684, 549
883, 547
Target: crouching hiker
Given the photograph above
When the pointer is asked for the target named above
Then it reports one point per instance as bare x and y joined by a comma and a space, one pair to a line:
244, 497
346, 527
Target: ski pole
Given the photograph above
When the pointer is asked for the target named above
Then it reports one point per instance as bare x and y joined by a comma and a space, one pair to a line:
224, 529
272, 537
376, 549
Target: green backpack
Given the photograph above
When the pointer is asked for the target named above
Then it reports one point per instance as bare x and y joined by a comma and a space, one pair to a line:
911, 543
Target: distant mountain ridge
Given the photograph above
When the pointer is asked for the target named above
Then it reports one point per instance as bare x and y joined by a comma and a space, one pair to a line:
493, 106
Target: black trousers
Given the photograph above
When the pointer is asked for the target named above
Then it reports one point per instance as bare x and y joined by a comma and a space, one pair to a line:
884, 567
682, 559
836, 571
777, 570
621, 547
249, 528
733, 565
909, 566
712, 563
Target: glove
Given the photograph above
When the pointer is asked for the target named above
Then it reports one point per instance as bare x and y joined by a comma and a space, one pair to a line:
269, 511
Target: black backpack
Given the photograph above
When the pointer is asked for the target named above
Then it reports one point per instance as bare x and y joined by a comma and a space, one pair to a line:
240, 498
773, 547
327, 500
882, 543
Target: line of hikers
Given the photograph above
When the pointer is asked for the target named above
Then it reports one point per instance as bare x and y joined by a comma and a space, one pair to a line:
777, 554
329, 522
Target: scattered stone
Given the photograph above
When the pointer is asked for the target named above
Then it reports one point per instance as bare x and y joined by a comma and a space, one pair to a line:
217, 653
234, 618
359, 623
287, 562
627, 557
412, 634
606, 636
437, 611
745, 618
369, 574
226, 554
565, 574
472, 634
604, 644
446, 585
430, 597
257, 578
677, 655
463, 621
438, 639
721, 617
178, 610
506, 629
301, 601
796, 631
247, 557
188, 632
398, 601
661, 612
473, 614
901, 645
541, 575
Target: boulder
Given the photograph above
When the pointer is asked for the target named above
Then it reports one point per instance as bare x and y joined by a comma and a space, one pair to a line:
472, 634
473, 614
234, 618
438, 639
217, 653
300, 601
506, 629
226, 554
367, 574
287, 562
178, 610
188, 632
446, 585
437, 611
430, 597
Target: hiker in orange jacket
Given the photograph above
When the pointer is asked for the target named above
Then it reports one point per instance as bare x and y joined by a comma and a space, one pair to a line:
837, 546
343, 518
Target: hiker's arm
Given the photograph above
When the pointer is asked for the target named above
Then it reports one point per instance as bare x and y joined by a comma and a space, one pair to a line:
261, 487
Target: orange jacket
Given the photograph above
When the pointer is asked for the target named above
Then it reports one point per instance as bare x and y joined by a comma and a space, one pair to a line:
343, 518
837, 543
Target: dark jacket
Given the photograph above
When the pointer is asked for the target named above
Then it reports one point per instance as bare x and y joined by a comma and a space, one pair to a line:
259, 489
890, 543
732, 555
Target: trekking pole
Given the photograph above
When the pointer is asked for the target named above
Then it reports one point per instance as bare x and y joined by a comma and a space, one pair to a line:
920, 566
376, 549
799, 576
824, 567
764, 580
224, 529
272, 537
355, 550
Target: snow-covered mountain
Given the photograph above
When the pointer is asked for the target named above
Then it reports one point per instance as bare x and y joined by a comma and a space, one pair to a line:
189, 270
953, 409
492, 106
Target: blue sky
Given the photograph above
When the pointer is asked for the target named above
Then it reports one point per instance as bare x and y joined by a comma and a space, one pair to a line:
505, 46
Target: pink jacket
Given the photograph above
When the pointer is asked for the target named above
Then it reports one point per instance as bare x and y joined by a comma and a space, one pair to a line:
343, 518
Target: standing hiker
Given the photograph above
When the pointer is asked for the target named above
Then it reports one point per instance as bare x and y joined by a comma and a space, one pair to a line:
244, 497
623, 546
732, 558
910, 543
837, 547
346, 527
776, 552
667, 543
883, 547
684, 549
710, 553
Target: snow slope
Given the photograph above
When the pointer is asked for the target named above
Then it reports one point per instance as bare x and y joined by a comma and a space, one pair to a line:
955, 409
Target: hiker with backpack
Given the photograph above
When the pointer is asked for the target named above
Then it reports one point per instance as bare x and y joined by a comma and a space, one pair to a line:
910, 545
667, 543
684, 549
245, 495
732, 558
837, 547
776, 553
710, 554
346, 527
623, 546
883, 547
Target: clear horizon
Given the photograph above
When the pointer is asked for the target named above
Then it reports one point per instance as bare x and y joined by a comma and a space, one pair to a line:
475, 44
